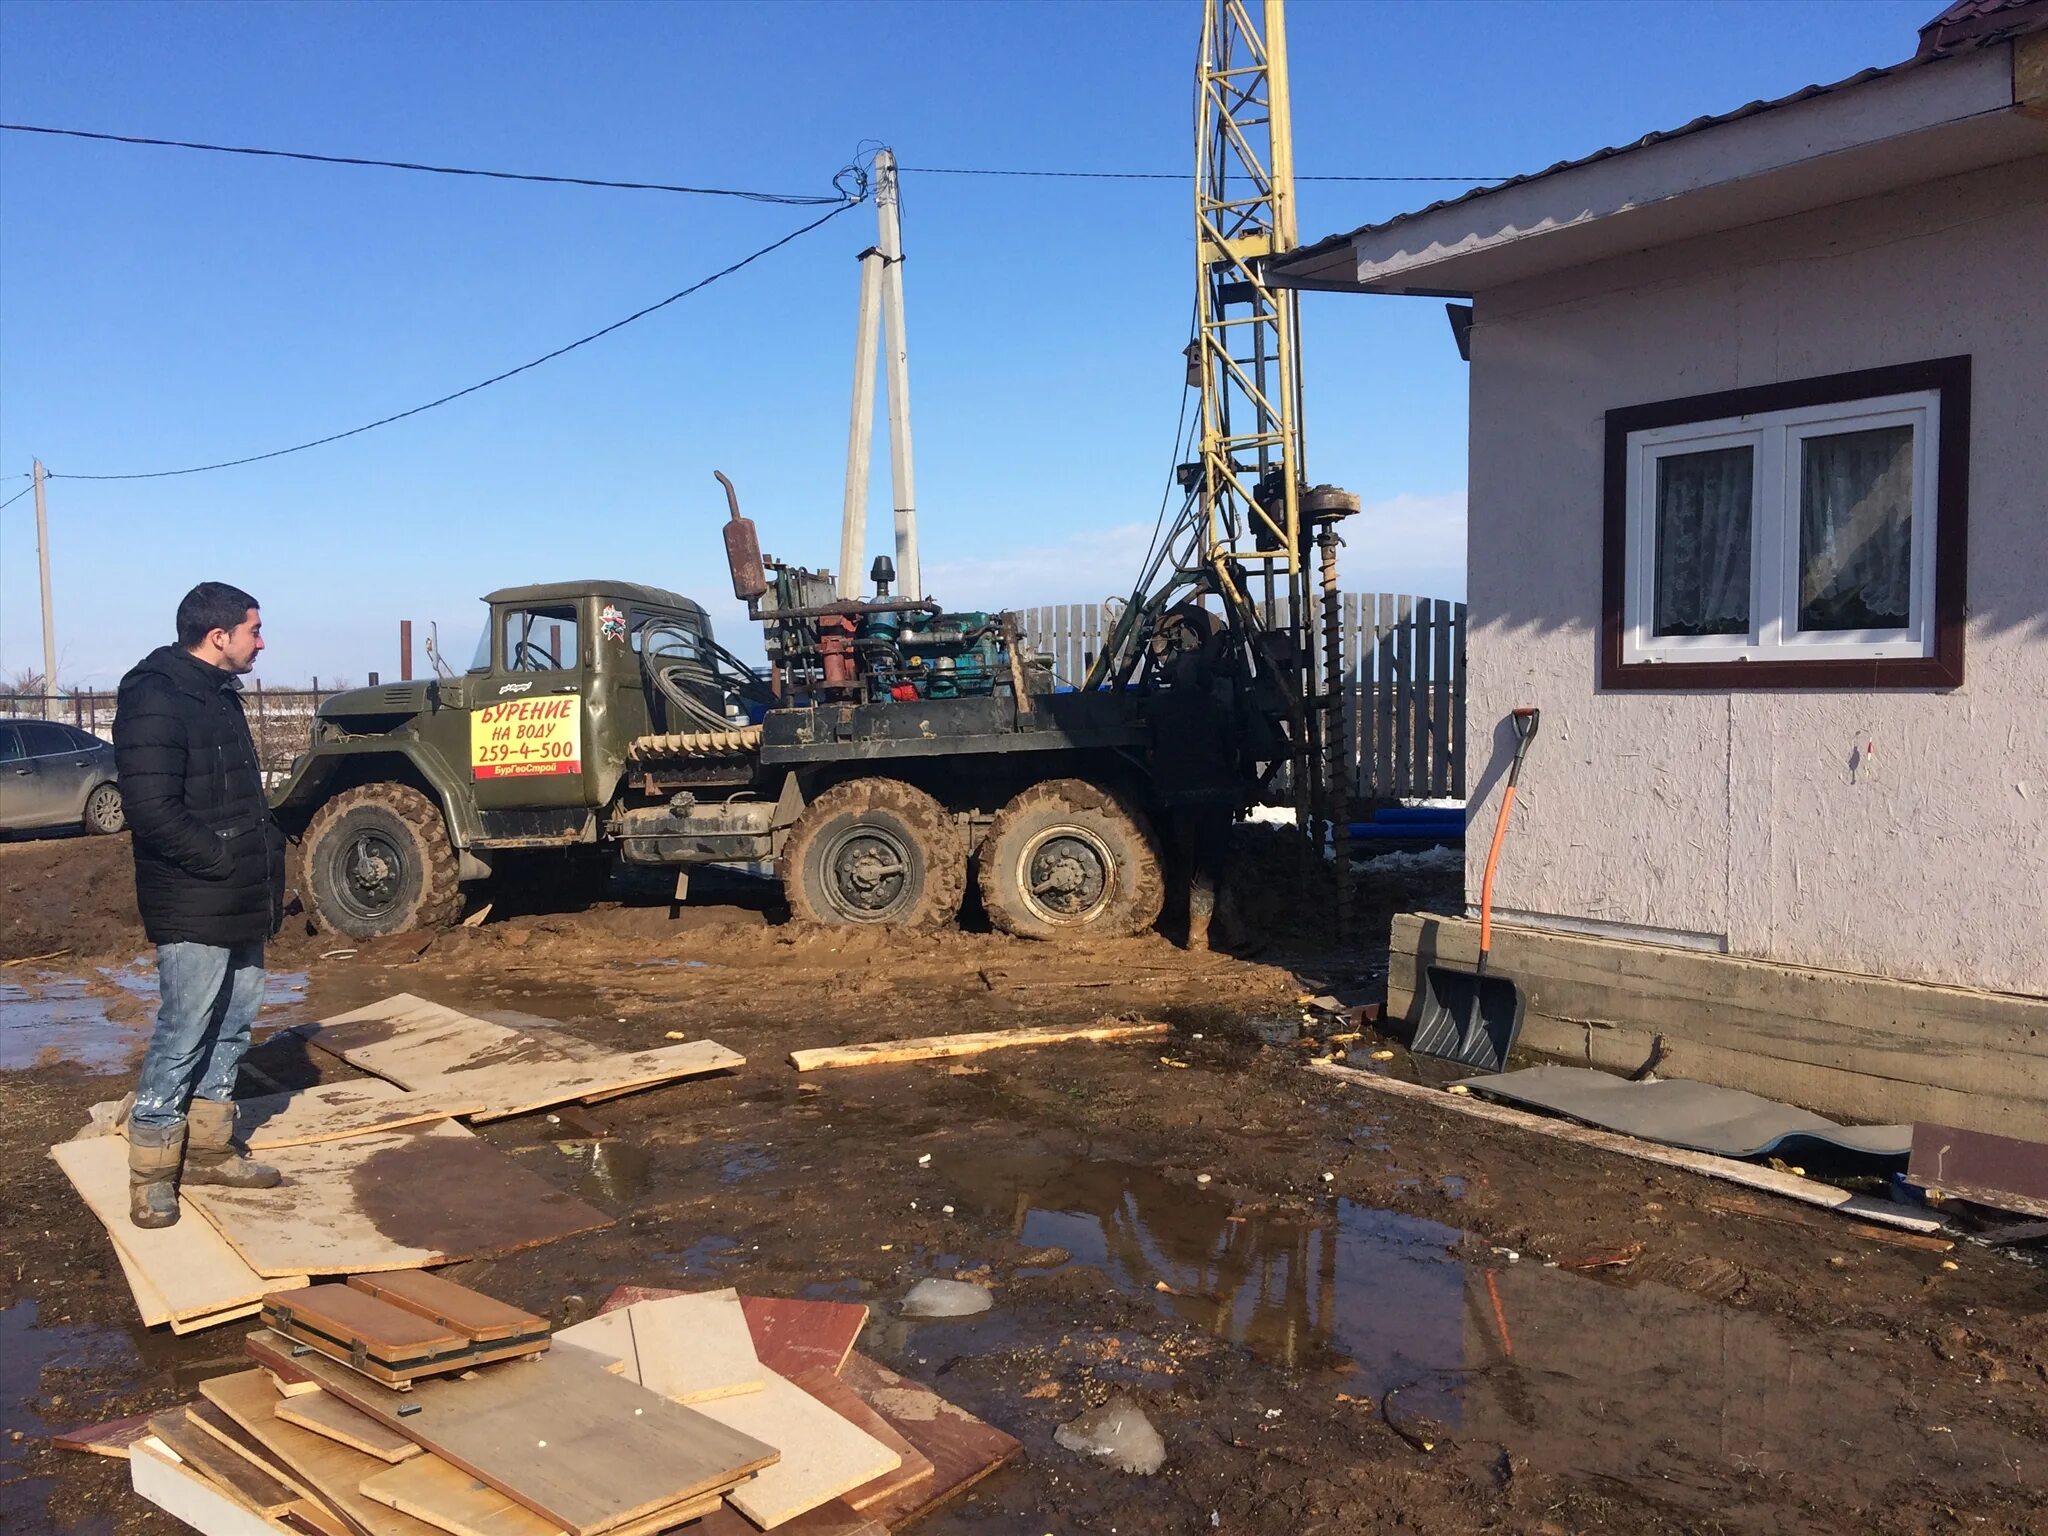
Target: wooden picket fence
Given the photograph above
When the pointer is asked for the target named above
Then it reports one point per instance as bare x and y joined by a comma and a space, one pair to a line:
1404, 686
280, 719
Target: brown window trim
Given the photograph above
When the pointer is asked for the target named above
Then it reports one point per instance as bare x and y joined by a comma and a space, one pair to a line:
1944, 669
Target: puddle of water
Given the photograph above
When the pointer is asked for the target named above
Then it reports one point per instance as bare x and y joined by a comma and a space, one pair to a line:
39, 1364
1704, 1403
610, 1170
62, 1024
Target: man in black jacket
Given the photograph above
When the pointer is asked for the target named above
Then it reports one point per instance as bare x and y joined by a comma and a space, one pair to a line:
209, 879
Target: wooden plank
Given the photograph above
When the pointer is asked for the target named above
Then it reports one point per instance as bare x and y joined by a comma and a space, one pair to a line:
1440, 700
1354, 703
835, 1517
331, 1470
914, 1467
429, 1489
444, 1301
693, 1348
2002, 1172
419, 1046
1460, 727
1751, 1175
325, 1414
884, 1052
823, 1455
1737, 1204
1849, 1045
1405, 698
520, 1090
961, 1448
616, 1453
347, 1316
1388, 685
246, 1480
208, 1419
1422, 688
391, 1200
330, 1111
189, 1265
189, 1498
113, 1438
792, 1336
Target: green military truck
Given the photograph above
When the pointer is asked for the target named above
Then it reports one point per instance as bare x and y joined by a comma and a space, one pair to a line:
889, 754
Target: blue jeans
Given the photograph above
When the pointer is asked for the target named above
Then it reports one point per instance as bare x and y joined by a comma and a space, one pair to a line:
210, 998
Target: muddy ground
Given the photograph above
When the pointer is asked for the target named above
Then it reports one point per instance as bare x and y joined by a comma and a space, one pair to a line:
1344, 1313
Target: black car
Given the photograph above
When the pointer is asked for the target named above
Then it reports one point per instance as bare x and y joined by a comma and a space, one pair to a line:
54, 775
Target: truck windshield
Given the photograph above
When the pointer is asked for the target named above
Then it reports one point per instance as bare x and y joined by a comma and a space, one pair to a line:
541, 638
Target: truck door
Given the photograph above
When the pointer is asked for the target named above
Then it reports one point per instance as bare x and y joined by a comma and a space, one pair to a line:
529, 729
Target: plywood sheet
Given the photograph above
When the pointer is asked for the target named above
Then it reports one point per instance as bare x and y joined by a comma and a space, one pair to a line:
690, 1348
112, 1438
792, 1336
519, 1090
187, 1497
935, 1047
329, 1111
962, 1449
835, 1517
189, 1266
2002, 1172
429, 1489
390, 1200
471, 1312
209, 1420
248, 1482
835, 1394
557, 1433
333, 1471
325, 1414
823, 1455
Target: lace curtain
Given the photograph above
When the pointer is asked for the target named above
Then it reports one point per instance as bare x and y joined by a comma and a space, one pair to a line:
1856, 530
1703, 540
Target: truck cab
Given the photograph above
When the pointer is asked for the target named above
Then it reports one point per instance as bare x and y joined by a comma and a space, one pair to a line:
410, 790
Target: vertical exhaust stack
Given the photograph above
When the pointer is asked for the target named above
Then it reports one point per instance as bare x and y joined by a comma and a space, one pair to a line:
742, 551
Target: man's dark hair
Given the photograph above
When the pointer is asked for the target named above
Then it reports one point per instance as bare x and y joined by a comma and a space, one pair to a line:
209, 606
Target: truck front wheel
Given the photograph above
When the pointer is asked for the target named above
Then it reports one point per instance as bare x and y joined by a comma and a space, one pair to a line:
1066, 859
875, 851
378, 861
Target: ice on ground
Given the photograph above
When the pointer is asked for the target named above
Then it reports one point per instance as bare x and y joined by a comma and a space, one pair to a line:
1119, 1433
947, 1298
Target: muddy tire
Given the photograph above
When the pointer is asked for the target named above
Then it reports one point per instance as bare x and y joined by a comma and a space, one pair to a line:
1068, 860
103, 814
875, 851
377, 860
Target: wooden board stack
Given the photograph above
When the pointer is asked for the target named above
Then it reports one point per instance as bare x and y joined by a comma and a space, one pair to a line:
783, 1427
379, 1173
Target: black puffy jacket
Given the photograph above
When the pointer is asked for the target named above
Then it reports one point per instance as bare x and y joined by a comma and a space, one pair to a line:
209, 861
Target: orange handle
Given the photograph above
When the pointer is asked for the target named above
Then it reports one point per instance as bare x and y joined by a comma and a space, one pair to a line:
1500, 832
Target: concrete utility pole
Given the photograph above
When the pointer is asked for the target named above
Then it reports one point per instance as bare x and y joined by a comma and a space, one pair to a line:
889, 210
43, 570
860, 440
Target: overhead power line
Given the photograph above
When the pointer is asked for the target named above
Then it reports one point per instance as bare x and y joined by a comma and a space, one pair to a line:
792, 199
954, 170
10, 501
499, 378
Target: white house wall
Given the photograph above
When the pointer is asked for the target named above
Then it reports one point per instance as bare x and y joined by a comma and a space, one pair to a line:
1900, 833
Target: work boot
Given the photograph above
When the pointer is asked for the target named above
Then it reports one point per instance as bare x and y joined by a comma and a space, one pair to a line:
153, 1155
211, 1156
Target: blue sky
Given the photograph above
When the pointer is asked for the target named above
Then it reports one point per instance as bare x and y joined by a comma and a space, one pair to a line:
161, 307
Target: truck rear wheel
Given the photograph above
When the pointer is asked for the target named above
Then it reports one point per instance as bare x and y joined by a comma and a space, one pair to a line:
875, 851
1066, 859
378, 861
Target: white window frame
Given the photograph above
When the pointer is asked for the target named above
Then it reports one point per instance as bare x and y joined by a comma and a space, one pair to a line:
1773, 438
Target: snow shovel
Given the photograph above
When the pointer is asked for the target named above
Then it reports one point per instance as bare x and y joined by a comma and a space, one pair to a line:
1469, 1016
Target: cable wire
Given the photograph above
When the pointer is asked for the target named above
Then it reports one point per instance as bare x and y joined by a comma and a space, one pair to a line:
10, 501
951, 170
792, 199
385, 421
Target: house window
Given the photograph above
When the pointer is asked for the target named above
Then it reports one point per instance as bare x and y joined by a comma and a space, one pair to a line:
1798, 535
